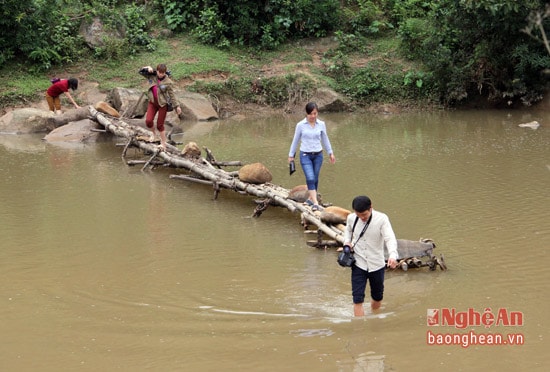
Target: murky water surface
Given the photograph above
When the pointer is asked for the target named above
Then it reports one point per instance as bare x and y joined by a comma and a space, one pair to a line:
105, 267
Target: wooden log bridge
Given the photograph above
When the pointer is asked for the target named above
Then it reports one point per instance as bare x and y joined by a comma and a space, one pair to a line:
207, 170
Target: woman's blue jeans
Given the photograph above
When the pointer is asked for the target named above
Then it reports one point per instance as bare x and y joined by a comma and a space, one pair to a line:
311, 165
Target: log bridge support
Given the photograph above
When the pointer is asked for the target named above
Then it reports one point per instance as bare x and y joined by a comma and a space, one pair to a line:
208, 171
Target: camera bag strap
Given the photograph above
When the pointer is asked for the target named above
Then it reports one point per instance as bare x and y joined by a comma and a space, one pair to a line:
166, 98
362, 231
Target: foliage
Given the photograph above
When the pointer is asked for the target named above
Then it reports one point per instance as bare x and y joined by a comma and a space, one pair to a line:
179, 15
414, 32
136, 28
13, 15
46, 32
535, 27
123, 73
454, 50
277, 91
37, 30
210, 29
364, 17
472, 48
21, 85
119, 18
350, 43
250, 23
336, 63
284, 90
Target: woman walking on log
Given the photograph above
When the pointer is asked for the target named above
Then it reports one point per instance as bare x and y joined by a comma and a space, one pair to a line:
312, 135
161, 100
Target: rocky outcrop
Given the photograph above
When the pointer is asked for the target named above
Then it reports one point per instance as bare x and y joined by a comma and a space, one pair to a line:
133, 103
77, 132
330, 101
26, 120
94, 32
196, 107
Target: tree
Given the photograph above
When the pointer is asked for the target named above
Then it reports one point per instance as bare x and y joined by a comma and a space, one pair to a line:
536, 24
475, 48
14, 14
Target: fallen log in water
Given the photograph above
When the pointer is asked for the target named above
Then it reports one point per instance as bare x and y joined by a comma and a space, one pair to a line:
208, 171
203, 171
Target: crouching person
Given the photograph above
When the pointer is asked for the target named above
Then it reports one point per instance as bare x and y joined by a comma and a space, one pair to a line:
367, 232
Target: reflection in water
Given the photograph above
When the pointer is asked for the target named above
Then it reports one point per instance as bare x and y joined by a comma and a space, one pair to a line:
107, 267
156, 215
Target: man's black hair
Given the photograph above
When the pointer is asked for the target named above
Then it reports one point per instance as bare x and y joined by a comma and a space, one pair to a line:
361, 203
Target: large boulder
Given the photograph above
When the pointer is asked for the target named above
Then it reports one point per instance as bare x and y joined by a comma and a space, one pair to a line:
76, 131
330, 101
131, 103
95, 32
26, 120
195, 106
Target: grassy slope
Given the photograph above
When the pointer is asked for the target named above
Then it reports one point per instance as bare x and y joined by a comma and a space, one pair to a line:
194, 65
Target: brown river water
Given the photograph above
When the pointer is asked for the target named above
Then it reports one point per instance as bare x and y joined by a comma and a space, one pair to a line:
108, 268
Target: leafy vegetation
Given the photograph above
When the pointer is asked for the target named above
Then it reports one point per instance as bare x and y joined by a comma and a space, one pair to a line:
447, 51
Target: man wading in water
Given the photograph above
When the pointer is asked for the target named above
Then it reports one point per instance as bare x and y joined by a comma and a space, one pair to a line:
367, 231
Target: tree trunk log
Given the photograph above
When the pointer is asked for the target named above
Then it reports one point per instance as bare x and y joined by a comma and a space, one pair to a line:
69, 116
207, 171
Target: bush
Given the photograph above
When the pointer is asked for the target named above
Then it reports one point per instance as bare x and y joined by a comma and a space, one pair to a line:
278, 91
136, 29
210, 29
413, 33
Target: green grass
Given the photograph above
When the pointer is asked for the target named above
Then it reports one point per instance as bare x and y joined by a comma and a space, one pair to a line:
183, 56
187, 59
184, 60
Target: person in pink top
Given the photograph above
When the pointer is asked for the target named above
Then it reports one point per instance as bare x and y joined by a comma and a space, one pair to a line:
160, 95
56, 89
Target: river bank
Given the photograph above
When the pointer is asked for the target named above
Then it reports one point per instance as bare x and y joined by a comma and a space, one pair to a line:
228, 78
239, 82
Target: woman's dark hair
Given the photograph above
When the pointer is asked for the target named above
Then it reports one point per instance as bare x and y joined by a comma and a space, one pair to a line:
73, 83
310, 107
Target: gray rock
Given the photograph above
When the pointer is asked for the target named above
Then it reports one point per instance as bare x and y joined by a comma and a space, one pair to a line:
129, 103
26, 120
195, 106
330, 101
95, 32
132, 103
76, 132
